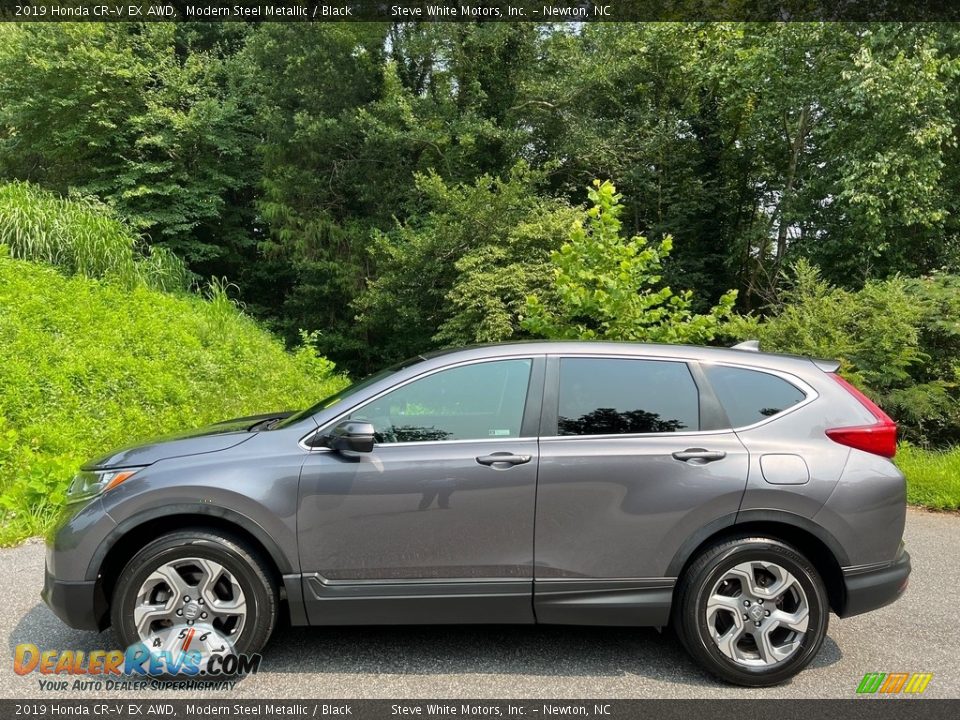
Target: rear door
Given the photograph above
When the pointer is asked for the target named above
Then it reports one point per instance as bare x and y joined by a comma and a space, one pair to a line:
635, 461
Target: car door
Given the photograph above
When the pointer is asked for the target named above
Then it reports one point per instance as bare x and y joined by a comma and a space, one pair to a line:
635, 461
436, 524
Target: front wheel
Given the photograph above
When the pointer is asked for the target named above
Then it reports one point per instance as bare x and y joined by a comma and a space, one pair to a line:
753, 611
195, 586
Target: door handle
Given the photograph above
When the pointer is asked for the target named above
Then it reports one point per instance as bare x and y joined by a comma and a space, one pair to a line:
503, 457
699, 454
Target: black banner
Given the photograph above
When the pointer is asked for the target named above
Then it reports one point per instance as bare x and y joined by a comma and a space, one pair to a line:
482, 10
116, 709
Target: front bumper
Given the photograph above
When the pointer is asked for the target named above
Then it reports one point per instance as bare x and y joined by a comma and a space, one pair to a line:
80, 605
70, 586
869, 588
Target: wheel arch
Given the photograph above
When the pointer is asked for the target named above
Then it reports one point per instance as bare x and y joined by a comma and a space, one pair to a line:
131, 535
817, 544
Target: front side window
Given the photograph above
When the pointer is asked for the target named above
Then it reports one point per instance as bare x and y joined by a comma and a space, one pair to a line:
471, 402
612, 396
749, 396
346, 392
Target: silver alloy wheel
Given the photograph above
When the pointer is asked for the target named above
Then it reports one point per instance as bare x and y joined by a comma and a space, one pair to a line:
189, 591
757, 614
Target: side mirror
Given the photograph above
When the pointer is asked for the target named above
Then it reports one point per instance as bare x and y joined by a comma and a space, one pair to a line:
355, 435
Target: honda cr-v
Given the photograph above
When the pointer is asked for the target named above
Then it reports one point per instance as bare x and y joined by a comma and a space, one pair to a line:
736, 496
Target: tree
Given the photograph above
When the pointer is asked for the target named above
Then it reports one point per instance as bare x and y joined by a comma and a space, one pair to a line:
136, 116
460, 272
895, 338
608, 287
756, 144
343, 145
319, 191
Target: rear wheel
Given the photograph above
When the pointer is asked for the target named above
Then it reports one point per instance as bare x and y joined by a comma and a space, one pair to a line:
195, 579
752, 611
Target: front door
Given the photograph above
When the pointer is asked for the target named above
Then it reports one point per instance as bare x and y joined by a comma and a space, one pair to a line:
436, 524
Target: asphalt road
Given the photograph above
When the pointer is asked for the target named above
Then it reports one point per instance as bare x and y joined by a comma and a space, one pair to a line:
920, 633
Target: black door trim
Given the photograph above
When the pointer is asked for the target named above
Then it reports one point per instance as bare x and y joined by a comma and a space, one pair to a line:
418, 601
625, 602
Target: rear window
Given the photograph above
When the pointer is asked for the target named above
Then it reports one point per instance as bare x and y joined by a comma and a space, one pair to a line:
750, 396
608, 396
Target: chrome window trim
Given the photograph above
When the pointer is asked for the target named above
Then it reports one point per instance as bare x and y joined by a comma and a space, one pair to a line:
462, 363
422, 442
803, 386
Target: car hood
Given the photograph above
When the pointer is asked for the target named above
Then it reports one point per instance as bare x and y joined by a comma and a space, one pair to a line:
213, 438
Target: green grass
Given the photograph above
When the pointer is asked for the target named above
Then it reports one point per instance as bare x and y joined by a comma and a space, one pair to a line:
81, 235
90, 364
933, 476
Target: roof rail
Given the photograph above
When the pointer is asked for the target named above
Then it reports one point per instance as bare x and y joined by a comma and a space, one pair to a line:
751, 345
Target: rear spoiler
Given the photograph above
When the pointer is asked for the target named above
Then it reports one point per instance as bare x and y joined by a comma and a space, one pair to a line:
828, 366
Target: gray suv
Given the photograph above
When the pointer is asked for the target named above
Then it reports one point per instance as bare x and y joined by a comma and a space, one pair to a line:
737, 496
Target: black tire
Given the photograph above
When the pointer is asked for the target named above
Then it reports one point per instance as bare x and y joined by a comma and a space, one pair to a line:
246, 566
690, 609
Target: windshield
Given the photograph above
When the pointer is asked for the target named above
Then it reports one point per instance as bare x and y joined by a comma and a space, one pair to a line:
347, 392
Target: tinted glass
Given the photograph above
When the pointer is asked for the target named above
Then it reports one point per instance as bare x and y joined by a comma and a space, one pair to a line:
346, 392
749, 396
600, 396
471, 402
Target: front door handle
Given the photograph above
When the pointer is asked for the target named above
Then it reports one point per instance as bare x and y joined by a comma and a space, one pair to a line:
503, 457
699, 455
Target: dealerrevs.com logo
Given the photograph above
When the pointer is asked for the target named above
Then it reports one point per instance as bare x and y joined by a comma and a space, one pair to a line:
179, 658
894, 683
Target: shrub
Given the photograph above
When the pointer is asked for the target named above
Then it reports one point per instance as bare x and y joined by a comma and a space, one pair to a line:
609, 287
897, 339
80, 235
86, 365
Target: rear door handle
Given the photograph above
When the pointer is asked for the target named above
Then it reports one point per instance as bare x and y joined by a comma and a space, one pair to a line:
503, 457
699, 454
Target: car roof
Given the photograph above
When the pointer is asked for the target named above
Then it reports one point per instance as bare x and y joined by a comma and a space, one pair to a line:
740, 356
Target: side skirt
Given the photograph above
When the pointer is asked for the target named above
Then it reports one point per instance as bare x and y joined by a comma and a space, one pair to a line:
631, 602
627, 602
416, 602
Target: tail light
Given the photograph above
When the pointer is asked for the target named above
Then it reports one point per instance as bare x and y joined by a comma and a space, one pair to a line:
879, 438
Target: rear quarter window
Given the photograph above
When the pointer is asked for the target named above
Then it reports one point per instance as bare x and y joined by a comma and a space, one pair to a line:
749, 396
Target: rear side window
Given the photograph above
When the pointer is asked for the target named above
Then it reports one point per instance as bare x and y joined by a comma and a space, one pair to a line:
611, 396
750, 396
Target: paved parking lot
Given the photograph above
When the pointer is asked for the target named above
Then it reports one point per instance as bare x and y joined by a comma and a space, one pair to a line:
920, 633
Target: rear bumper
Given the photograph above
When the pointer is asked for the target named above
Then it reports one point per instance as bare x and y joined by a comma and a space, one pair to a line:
80, 605
869, 588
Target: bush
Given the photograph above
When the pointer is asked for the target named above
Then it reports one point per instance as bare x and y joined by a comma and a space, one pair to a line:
86, 365
609, 287
897, 339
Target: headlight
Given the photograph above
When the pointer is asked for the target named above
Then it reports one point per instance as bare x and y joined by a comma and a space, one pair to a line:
90, 483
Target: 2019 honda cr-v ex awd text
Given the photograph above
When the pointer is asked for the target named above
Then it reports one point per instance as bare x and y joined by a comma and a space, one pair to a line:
735, 495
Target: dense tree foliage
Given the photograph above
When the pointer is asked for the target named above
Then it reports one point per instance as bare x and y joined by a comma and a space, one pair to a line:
460, 271
608, 287
898, 339
138, 117
391, 188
